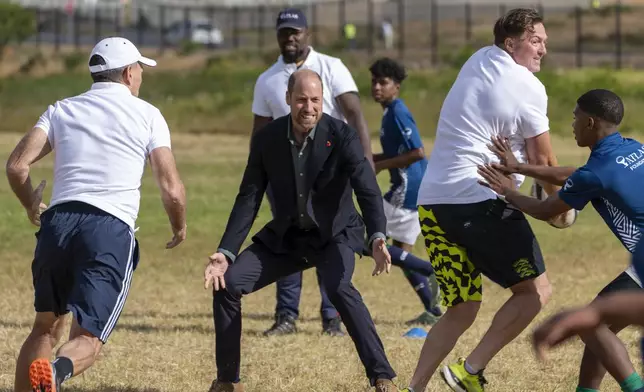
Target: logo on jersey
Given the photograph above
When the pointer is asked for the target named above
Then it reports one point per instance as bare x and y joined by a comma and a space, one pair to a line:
407, 133
568, 185
633, 160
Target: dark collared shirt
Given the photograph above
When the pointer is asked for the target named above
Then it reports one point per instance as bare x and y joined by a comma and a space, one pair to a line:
300, 154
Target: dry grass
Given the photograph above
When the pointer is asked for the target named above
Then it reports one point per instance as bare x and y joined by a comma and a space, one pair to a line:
164, 339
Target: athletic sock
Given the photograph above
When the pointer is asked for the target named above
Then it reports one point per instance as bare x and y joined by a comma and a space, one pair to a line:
580, 389
632, 383
64, 369
470, 369
408, 261
420, 284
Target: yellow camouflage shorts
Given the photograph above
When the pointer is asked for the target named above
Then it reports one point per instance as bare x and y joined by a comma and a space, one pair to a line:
458, 278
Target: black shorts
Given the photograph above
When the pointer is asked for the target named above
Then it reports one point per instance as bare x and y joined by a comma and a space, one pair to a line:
622, 282
491, 238
83, 263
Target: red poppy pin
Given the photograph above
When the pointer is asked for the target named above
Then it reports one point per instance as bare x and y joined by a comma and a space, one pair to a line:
328, 143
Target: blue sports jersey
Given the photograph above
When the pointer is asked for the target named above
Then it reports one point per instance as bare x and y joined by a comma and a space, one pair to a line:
398, 135
612, 181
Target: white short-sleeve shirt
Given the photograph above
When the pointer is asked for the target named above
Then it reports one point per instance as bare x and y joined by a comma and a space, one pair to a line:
492, 96
101, 141
269, 97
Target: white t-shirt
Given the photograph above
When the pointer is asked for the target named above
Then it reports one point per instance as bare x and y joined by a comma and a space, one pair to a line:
101, 141
269, 97
492, 95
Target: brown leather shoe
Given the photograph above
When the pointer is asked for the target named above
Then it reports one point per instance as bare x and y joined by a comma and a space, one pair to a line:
226, 387
384, 385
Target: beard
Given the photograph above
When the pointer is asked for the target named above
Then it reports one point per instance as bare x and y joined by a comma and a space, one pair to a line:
292, 56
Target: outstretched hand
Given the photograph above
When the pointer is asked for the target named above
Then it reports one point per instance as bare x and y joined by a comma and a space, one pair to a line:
215, 270
496, 180
501, 148
381, 256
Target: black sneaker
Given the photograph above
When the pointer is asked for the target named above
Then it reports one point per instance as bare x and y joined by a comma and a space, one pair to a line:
284, 325
333, 327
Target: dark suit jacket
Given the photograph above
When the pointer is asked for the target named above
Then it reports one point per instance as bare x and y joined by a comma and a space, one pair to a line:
336, 167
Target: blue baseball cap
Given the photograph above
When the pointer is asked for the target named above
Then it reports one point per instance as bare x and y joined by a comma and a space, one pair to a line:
291, 18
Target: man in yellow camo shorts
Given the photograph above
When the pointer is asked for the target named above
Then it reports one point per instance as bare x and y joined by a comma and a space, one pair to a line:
469, 230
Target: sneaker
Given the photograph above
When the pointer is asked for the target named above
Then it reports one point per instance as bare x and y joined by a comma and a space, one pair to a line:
284, 325
460, 380
42, 376
218, 386
384, 385
333, 327
425, 318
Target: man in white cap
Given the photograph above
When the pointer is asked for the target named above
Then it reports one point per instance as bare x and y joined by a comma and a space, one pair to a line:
86, 251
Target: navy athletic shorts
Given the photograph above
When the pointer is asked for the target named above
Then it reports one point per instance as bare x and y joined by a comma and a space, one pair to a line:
83, 263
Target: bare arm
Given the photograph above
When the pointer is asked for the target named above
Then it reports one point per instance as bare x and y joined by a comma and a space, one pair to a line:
623, 308
546, 174
400, 161
538, 209
31, 148
172, 190
350, 105
556, 175
540, 152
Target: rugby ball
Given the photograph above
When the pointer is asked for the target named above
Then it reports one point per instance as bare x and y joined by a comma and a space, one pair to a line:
561, 221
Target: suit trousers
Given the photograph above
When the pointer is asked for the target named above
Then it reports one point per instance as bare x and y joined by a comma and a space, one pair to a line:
289, 288
257, 267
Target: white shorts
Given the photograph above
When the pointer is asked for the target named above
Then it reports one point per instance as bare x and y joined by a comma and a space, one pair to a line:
402, 223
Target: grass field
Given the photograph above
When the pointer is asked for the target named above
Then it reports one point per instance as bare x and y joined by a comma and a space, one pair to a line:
165, 339
215, 96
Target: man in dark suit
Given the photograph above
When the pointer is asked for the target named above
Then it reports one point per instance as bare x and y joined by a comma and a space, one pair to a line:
313, 162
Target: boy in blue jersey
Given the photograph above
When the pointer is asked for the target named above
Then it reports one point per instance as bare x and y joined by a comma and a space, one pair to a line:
404, 157
610, 181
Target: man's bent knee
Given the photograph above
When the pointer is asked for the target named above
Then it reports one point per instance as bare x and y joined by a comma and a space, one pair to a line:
463, 313
336, 289
539, 287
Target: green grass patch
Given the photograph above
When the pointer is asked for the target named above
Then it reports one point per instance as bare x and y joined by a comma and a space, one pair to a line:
217, 98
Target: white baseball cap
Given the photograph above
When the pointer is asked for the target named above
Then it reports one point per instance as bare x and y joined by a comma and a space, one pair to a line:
117, 52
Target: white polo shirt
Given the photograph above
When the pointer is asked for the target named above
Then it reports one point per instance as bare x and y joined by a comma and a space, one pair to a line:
101, 141
492, 96
269, 97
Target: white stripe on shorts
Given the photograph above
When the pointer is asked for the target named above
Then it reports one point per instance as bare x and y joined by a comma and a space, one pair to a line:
120, 300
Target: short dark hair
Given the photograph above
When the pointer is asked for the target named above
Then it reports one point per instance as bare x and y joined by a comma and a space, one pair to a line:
293, 78
603, 104
514, 23
388, 68
112, 75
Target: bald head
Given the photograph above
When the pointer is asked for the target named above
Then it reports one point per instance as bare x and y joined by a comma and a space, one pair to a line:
304, 96
303, 76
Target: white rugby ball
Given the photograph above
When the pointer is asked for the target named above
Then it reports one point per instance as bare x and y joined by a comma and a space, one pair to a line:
561, 221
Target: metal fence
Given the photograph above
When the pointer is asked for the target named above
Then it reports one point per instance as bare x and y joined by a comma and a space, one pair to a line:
423, 30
